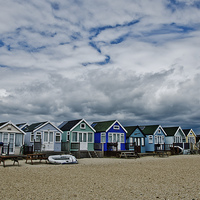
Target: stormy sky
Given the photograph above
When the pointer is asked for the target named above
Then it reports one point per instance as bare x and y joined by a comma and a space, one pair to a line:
134, 61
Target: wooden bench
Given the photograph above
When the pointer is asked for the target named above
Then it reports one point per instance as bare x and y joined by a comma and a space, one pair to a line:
36, 156
14, 158
128, 154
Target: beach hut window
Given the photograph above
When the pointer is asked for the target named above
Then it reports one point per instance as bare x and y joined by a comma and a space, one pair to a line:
90, 139
131, 142
191, 140
163, 139
38, 137
58, 137
84, 137
150, 139
82, 126
74, 136
156, 139
110, 138
32, 137
5, 137
114, 138
80, 137
138, 141
18, 139
122, 138
68, 136
116, 127
142, 141
118, 137
135, 140
45, 136
0, 137
103, 137
50, 136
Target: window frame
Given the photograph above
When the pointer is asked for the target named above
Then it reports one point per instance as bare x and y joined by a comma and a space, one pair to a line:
116, 127
90, 141
32, 137
82, 126
40, 134
142, 141
74, 132
103, 137
150, 138
57, 134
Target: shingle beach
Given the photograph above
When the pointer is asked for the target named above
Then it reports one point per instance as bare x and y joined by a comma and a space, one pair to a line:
174, 177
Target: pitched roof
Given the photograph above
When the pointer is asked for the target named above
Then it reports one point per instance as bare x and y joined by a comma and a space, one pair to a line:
171, 130
2, 123
149, 129
131, 129
21, 125
102, 126
67, 125
33, 126
186, 131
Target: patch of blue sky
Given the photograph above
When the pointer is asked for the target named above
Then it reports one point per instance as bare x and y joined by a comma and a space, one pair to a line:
64, 43
174, 5
30, 29
97, 30
4, 66
119, 39
106, 61
197, 4
170, 29
26, 47
48, 34
9, 47
1, 43
76, 36
94, 45
55, 6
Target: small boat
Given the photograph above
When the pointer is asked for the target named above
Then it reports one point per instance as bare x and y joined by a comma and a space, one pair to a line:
62, 159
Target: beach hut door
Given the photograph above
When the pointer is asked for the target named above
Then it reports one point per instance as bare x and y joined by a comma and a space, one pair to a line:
83, 141
48, 141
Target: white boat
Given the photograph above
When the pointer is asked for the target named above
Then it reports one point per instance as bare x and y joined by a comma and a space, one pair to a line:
62, 159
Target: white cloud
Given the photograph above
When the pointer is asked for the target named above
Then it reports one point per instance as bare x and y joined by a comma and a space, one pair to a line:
134, 61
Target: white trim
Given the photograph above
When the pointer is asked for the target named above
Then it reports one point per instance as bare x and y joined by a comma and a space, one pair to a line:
113, 125
84, 126
160, 127
31, 133
192, 132
116, 127
150, 142
78, 132
81, 122
37, 133
179, 128
48, 122
120, 136
104, 135
48, 131
55, 137
7, 123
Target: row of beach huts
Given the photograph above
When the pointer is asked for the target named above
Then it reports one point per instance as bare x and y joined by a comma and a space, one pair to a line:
82, 139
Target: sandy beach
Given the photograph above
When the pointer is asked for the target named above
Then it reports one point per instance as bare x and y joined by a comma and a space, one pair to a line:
174, 177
